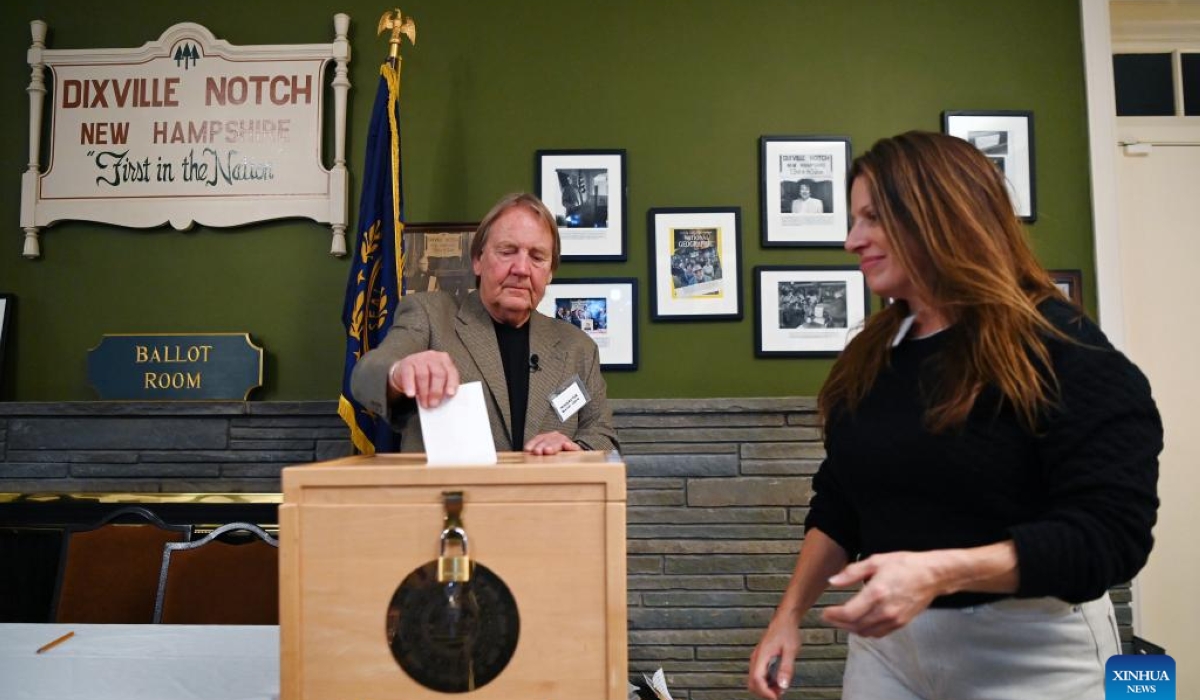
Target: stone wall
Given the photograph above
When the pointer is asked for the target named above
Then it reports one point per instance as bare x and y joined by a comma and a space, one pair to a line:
162, 447
718, 491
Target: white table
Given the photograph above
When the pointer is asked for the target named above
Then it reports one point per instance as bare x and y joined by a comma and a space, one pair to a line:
139, 662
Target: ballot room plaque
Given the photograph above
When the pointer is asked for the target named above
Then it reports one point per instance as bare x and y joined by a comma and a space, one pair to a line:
402, 580
175, 367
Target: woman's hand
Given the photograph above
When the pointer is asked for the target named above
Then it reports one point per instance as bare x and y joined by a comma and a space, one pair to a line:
781, 644
820, 557
897, 586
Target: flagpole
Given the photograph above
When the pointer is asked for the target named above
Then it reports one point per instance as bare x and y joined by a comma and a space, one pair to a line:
375, 283
399, 25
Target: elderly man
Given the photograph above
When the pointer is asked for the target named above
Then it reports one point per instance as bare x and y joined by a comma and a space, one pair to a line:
524, 359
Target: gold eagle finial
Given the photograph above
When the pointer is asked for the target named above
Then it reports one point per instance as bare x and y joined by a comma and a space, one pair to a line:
395, 21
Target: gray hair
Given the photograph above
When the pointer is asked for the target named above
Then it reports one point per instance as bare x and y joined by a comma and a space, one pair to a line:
511, 201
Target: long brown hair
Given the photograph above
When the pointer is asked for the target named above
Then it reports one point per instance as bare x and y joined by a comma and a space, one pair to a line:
946, 214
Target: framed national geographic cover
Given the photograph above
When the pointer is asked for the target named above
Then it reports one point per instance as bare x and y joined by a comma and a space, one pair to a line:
437, 256
807, 311
606, 308
1006, 138
802, 190
695, 264
585, 190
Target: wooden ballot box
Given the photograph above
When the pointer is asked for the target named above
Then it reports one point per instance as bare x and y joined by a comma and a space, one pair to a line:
356, 533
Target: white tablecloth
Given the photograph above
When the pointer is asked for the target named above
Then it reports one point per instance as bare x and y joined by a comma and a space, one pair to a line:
139, 662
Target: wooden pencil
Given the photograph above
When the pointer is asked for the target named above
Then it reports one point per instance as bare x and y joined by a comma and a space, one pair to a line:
56, 642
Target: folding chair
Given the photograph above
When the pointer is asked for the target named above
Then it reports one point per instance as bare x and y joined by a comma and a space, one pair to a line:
230, 577
108, 572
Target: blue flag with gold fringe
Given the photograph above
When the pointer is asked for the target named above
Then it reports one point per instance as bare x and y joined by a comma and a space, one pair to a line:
375, 283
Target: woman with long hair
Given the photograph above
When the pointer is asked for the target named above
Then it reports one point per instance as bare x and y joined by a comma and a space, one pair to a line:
991, 461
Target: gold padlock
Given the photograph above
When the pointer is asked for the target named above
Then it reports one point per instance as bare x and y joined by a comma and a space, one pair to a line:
454, 567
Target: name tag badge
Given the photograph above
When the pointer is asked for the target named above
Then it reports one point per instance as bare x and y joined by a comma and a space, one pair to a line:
569, 398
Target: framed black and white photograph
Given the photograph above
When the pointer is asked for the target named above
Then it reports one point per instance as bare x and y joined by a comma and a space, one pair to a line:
585, 190
606, 308
802, 190
1006, 138
1070, 283
438, 257
695, 264
807, 311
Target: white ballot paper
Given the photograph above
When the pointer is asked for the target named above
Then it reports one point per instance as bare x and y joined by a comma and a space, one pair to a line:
457, 431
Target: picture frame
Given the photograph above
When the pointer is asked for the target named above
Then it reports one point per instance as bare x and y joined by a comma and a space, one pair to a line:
1070, 283
585, 190
437, 256
802, 190
695, 263
8, 304
606, 308
1006, 138
808, 310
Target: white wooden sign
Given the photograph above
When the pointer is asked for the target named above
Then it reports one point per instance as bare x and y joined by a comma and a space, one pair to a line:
186, 129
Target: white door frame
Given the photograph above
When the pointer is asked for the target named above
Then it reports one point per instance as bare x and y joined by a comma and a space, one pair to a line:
1096, 26
1102, 146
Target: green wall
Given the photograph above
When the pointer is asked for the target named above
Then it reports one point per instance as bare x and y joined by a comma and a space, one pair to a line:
685, 86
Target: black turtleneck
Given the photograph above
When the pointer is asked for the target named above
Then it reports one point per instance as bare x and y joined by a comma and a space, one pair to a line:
514, 354
1077, 496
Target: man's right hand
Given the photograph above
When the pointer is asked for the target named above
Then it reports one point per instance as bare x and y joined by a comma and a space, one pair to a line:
429, 377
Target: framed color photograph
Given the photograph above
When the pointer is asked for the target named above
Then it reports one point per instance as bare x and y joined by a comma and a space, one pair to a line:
1070, 283
1006, 138
808, 311
438, 257
606, 308
695, 264
802, 189
585, 190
